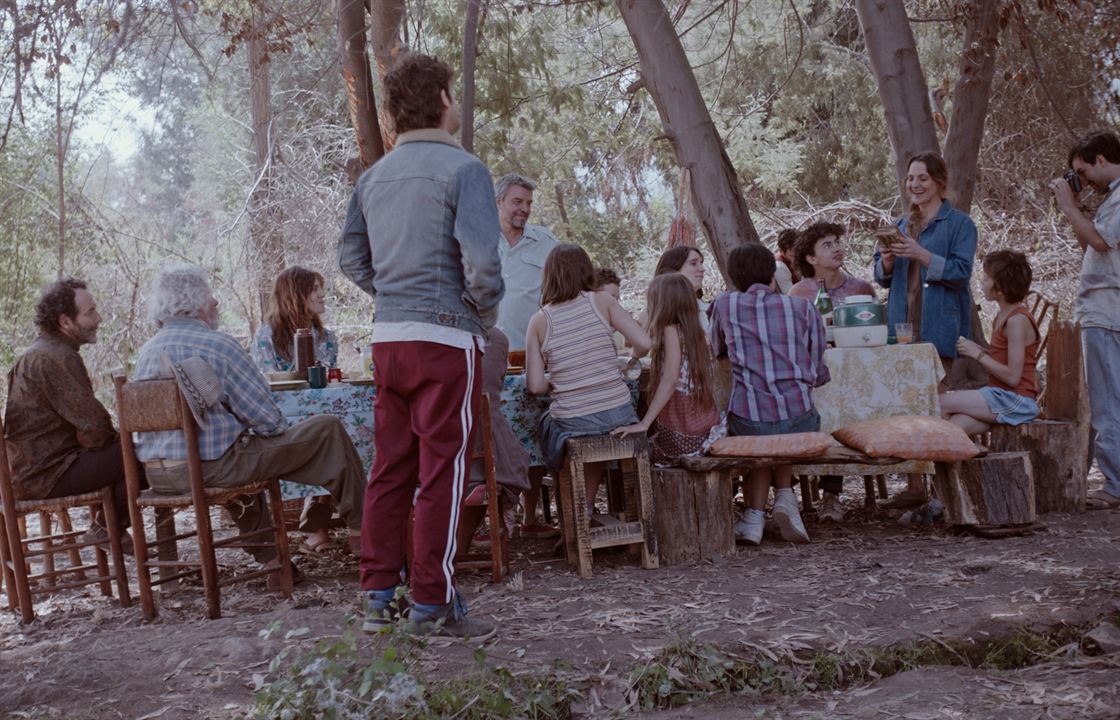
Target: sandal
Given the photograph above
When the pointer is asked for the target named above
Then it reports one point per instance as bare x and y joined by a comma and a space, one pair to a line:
1102, 500
324, 546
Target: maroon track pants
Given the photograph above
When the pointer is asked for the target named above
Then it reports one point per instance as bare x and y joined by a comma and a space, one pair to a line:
427, 398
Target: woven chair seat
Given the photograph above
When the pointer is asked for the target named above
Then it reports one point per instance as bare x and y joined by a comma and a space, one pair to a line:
216, 496
58, 503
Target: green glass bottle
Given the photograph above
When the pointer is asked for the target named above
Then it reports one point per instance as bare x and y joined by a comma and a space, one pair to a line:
823, 303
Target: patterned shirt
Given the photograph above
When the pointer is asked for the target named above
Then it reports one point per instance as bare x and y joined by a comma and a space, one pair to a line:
52, 415
268, 360
246, 402
776, 345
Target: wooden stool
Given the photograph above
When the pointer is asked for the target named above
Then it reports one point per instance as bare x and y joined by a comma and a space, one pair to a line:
636, 529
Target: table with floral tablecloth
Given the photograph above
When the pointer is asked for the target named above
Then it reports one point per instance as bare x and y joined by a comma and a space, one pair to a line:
353, 404
877, 382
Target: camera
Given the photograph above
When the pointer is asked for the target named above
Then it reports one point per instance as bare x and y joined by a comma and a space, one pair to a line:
1073, 179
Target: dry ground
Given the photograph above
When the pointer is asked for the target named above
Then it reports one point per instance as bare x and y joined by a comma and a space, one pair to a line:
868, 583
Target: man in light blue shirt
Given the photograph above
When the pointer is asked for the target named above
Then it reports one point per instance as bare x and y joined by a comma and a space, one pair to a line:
523, 248
1096, 161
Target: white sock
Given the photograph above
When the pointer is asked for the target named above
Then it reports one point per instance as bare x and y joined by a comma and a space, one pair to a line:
783, 492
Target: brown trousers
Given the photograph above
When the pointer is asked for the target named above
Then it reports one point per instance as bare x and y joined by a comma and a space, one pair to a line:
315, 451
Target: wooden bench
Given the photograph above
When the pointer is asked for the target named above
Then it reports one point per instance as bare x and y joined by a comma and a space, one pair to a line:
987, 490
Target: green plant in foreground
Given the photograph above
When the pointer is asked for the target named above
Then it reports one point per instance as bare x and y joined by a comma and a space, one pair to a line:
339, 680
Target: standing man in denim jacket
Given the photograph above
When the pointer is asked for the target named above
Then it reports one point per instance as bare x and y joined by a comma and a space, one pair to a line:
1096, 160
421, 237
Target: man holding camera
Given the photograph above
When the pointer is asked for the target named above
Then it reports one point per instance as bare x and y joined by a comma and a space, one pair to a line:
1095, 161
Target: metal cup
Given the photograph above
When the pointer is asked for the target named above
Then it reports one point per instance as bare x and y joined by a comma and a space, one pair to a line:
317, 376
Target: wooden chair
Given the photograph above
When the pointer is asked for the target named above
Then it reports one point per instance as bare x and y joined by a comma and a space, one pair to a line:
497, 560
154, 405
636, 528
21, 552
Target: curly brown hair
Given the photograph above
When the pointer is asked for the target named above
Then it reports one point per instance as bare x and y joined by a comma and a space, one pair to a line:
806, 245
412, 92
57, 299
287, 307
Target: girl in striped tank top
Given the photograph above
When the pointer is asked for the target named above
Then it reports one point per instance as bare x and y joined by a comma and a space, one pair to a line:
571, 338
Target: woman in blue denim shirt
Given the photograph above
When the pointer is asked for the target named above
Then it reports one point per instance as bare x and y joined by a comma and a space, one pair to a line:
928, 277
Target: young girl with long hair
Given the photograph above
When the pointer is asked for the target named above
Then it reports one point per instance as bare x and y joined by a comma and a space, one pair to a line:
296, 302
571, 338
682, 409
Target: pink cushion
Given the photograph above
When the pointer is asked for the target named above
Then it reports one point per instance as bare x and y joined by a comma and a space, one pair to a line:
795, 445
909, 437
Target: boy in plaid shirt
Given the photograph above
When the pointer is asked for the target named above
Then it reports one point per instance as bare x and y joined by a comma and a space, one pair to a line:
776, 346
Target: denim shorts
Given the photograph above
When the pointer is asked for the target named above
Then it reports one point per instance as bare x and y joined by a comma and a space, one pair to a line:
555, 432
809, 422
1008, 407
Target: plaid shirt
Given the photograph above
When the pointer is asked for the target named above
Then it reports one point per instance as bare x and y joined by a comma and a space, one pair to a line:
776, 345
246, 404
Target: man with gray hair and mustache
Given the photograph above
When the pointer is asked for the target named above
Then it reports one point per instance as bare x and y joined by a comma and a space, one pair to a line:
244, 437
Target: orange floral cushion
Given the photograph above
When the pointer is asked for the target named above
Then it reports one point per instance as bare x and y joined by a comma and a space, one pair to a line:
909, 437
795, 445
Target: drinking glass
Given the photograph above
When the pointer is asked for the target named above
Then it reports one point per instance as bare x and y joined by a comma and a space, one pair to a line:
904, 332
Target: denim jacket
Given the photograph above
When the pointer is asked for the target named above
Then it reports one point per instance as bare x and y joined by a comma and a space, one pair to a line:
946, 300
421, 235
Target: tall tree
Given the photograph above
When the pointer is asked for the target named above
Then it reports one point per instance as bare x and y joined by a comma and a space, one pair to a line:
667, 76
470, 48
265, 218
385, 29
359, 80
902, 83
970, 98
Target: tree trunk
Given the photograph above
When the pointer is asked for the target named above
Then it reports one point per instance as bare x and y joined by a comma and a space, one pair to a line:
902, 84
697, 145
359, 81
264, 216
470, 46
970, 99
997, 489
60, 173
385, 23
690, 511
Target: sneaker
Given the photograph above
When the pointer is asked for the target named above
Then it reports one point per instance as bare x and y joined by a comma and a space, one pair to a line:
379, 614
831, 508
789, 519
748, 528
539, 531
450, 621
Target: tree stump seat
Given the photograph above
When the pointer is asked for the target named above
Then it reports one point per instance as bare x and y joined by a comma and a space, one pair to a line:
692, 513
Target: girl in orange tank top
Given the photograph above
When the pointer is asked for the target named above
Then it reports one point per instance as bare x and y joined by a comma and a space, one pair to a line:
1009, 397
